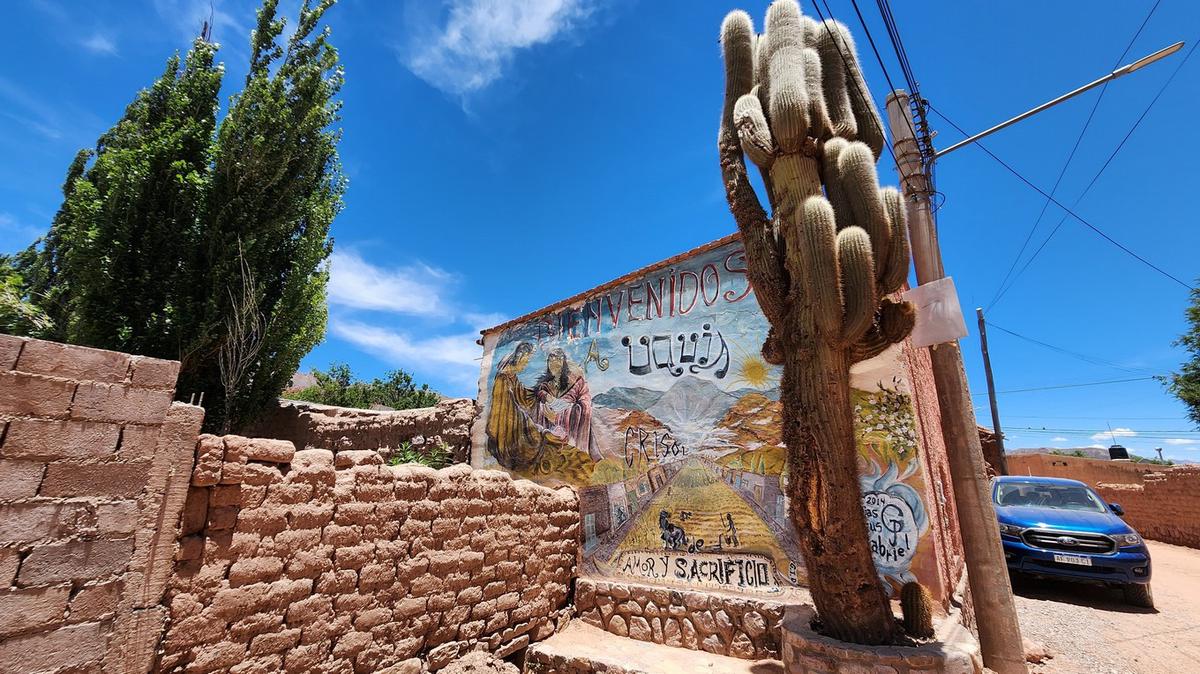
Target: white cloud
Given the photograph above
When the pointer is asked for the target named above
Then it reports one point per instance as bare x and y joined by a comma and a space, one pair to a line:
17, 234
1114, 433
1058, 439
1097, 446
454, 356
188, 16
480, 38
1180, 441
417, 290
100, 44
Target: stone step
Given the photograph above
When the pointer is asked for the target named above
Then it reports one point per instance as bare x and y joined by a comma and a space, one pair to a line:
581, 649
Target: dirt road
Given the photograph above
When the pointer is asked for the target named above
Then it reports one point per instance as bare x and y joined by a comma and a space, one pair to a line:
1090, 629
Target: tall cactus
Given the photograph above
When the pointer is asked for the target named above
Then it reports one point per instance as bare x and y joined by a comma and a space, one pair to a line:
823, 265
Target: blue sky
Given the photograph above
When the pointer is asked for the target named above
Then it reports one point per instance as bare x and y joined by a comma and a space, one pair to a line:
503, 155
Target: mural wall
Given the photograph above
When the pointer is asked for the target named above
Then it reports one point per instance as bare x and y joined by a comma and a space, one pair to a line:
650, 397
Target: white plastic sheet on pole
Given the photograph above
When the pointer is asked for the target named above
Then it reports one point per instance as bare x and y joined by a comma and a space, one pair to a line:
939, 315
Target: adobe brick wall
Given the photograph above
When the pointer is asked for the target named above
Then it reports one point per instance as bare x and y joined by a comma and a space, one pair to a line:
1163, 507
1088, 470
94, 465
314, 561
339, 428
741, 627
1160, 502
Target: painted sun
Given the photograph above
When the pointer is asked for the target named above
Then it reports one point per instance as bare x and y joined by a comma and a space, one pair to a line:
754, 371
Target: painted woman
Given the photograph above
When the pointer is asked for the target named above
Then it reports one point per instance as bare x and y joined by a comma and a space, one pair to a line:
565, 403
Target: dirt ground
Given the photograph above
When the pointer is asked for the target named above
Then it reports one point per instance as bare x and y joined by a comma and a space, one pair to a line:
1090, 629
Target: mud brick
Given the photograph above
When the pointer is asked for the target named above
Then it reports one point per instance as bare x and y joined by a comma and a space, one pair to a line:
75, 560
51, 439
34, 395
36, 521
115, 402
32, 609
10, 348
20, 479
72, 362
113, 480
154, 373
48, 651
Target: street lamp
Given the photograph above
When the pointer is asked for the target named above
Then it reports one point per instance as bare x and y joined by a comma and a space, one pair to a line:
1123, 70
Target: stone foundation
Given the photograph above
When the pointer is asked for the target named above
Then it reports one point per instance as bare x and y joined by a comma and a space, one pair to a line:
806, 652
741, 627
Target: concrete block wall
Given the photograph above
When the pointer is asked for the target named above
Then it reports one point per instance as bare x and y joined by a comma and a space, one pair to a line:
312, 560
94, 465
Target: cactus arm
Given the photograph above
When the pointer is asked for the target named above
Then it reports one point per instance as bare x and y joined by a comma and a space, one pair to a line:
833, 184
896, 265
833, 76
812, 256
857, 266
752, 130
866, 117
763, 259
818, 114
894, 323
788, 96
856, 165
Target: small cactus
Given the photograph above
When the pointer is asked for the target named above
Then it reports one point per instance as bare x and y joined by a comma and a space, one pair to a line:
917, 606
823, 265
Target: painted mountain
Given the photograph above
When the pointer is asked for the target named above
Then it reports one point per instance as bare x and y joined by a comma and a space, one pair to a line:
691, 408
627, 398
751, 427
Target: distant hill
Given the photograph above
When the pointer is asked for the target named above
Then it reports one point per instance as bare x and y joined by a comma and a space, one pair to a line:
691, 401
769, 394
627, 398
1089, 452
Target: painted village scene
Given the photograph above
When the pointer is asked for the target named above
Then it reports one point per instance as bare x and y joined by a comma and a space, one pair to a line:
652, 399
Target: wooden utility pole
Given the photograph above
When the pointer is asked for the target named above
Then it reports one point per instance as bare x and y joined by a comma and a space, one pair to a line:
987, 572
999, 461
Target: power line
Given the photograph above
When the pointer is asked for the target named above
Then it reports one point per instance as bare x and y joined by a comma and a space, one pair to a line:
1062, 172
1118, 433
1056, 202
1087, 359
1096, 177
1107, 418
1062, 386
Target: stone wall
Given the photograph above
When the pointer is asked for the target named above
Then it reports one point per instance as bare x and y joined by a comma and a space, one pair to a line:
953, 651
339, 428
94, 466
1163, 507
310, 560
741, 627
1090, 471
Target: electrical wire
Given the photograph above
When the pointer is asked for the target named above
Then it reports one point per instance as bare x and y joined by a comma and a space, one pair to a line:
1074, 148
1058, 203
1074, 354
1064, 386
1103, 167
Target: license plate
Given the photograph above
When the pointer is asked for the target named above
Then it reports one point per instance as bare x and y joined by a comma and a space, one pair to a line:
1073, 559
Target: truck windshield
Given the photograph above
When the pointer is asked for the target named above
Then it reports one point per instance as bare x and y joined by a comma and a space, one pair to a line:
1041, 495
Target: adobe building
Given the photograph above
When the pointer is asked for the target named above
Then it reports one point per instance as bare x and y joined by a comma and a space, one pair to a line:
650, 397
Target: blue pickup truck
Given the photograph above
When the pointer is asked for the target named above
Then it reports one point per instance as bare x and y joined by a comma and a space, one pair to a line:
1059, 528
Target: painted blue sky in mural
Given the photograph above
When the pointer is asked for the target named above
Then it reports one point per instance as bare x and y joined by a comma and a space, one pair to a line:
547, 151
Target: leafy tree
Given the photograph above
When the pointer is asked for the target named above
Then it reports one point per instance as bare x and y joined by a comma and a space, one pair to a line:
17, 315
338, 386
172, 218
1185, 384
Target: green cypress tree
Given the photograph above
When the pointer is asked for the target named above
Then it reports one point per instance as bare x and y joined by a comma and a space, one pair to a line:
276, 188
110, 271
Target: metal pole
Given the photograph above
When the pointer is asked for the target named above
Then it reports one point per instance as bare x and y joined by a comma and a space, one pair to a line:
987, 573
999, 461
1123, 70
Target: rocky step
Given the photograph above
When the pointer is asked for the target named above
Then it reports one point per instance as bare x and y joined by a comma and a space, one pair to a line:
581, 649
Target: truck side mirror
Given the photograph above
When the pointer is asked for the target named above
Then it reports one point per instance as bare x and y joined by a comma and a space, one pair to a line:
1117, 509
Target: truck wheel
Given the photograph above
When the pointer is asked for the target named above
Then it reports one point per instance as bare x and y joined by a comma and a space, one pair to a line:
1139, 594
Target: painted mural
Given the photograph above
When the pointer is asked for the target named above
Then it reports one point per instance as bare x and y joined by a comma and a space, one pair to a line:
652, 399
